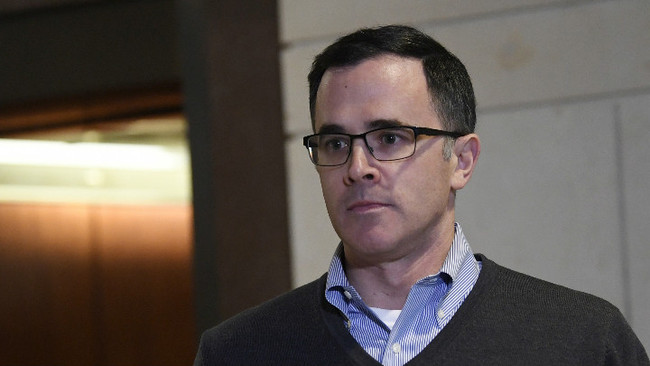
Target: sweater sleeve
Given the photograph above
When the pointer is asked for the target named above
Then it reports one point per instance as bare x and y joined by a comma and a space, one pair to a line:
624, 348
200, 358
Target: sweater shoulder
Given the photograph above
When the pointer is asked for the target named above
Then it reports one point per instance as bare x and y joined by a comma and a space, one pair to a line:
273, 329
287, 330
509, 297
543, 305
527, 289
514, 318
297, 303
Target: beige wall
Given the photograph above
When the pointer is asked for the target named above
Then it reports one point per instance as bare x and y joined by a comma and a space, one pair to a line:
562, 189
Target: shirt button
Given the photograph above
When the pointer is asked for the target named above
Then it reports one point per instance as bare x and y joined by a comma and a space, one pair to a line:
441, 314
396, 348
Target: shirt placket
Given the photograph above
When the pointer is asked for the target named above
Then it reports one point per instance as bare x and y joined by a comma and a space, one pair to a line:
422, 295
364, 325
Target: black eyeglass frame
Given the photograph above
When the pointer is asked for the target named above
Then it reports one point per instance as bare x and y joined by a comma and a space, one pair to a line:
417, 131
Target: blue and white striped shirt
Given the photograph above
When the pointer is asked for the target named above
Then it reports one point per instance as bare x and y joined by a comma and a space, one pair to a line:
429, 306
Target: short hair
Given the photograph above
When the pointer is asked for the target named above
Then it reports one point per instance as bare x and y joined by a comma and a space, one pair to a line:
450, 86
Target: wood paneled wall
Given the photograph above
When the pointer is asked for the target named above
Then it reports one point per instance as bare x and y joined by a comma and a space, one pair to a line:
231, 85
96, 285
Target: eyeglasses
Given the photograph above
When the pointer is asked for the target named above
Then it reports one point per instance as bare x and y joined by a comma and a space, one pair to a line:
384, 144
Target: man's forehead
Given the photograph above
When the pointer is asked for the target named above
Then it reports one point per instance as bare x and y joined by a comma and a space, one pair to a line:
381, 65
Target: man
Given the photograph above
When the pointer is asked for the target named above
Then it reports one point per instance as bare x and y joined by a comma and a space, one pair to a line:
393, 114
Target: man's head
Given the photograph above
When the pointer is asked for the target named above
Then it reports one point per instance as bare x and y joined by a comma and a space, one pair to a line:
388, 183
449, 84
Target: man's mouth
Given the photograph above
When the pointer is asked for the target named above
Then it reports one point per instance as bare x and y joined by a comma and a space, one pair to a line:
366, 206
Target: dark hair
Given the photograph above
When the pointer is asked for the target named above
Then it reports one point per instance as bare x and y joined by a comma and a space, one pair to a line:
449, 83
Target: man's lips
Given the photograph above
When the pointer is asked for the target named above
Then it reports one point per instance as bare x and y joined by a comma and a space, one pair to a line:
364, 206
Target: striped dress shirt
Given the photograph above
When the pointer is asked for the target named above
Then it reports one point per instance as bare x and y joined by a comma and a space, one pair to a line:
431, 303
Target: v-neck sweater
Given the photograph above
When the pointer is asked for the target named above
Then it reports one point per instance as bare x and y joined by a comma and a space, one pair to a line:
509, 318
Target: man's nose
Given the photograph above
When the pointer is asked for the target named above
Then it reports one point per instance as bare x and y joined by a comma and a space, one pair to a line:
361, 164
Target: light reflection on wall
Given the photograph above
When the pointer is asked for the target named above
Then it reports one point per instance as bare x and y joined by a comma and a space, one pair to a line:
146, 162
96, 245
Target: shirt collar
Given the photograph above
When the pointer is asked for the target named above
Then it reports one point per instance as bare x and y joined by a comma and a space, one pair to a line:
336, 275
459, 252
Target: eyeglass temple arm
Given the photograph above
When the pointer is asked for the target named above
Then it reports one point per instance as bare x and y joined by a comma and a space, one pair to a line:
435, 132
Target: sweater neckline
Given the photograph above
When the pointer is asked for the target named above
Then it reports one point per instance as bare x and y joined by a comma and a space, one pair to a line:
336, 325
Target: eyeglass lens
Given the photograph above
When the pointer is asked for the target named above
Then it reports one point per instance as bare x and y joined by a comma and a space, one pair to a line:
384, 144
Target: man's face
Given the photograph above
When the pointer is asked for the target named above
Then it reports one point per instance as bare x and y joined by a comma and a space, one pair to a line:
384, 211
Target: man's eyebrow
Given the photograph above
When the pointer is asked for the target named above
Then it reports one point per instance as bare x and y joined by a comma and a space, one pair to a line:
331, 128
380, 123
374, 124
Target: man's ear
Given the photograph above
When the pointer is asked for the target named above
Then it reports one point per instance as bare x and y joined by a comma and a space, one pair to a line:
466, 151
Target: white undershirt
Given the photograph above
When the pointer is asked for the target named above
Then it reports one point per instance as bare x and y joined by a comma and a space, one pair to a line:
389, 317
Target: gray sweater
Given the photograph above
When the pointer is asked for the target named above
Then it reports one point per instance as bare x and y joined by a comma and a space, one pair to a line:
508, 319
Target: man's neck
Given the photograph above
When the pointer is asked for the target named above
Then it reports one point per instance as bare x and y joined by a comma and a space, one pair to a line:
387, 284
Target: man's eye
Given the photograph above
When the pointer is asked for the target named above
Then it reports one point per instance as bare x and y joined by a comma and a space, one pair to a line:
389, 138
335, 144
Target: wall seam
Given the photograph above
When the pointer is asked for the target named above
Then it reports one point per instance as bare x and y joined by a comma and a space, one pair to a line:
622, 214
